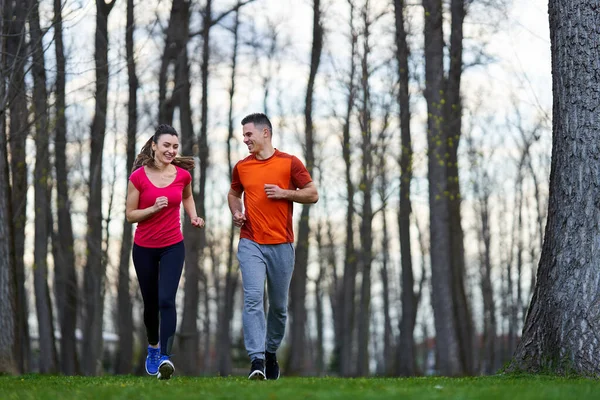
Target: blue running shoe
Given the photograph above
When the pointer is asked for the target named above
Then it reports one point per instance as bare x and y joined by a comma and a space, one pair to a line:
152, 360
165, 367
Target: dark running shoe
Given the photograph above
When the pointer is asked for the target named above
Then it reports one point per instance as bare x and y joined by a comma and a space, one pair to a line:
257, 370
271, 366
165, 368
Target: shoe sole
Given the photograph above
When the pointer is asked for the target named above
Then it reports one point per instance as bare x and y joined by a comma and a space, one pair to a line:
257, 376
165, 370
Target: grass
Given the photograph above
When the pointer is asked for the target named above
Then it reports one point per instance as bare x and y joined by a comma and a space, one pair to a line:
288, 388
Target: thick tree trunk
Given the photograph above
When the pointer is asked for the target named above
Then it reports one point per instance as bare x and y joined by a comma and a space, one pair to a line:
48, 357
125, 312
443, 300
65, 278
15, 40
560, 333
95, 269
405, 356
7, 265
296, 361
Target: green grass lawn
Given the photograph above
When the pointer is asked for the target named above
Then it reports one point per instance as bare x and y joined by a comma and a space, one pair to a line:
287, 388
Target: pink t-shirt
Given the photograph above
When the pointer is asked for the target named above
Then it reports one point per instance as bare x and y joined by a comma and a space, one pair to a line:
163, 228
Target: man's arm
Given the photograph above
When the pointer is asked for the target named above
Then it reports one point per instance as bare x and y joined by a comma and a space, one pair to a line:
306, 195
234, 199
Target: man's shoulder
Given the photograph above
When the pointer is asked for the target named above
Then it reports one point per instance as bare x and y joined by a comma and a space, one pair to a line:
246, 160
281, 154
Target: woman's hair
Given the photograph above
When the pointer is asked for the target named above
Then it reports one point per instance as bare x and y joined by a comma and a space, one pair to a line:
146, 156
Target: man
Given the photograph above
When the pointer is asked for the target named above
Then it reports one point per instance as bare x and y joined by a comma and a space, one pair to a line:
270, 181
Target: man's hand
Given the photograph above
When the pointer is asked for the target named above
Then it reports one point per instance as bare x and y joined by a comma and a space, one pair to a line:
197, 222
274, 192
239, 218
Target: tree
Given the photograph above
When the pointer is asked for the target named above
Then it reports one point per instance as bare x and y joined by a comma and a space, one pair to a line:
95, 269
65, 278
405, 352
16, 101
41, 178
560, 332
125, 320
296, 361
7, 268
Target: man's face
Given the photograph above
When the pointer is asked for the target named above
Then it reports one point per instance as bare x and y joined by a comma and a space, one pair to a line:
255, 137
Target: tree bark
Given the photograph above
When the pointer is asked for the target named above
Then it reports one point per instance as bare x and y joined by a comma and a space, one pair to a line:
405, 356
65, 278
443, 301
453, 117
125, 312
16, 96
48, 357
95, 269
296, 364
560, 333
8, 322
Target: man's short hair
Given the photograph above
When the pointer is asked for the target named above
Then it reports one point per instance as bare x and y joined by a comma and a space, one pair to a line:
258, 119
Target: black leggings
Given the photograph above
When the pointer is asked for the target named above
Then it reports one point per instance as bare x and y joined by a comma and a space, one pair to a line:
158, 271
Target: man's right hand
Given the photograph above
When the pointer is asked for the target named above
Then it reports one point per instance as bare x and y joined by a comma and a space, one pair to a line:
239, 218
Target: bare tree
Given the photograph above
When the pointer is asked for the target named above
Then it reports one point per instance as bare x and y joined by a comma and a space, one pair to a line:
405, 356
560, 333
296, 361
65, 278
347, 307
442, 279
125, 317
41, 177
96, 266
226, 308
7, 267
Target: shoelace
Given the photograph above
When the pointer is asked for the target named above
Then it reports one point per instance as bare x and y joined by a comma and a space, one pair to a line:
154, 355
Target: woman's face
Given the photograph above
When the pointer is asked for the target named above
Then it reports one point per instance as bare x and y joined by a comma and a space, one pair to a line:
166, 148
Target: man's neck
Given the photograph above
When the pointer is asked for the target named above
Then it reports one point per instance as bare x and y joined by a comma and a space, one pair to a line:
265, 153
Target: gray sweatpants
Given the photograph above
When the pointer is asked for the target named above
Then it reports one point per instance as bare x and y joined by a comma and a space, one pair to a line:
275, 263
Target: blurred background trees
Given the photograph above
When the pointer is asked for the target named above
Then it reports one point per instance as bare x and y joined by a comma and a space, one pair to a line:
428, 137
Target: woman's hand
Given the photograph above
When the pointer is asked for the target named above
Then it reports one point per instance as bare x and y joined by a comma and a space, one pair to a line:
160, 203
197, 222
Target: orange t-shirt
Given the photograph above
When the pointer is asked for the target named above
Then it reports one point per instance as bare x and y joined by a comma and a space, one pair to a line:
268, 221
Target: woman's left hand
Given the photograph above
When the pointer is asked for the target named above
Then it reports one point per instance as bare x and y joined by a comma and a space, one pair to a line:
197, 222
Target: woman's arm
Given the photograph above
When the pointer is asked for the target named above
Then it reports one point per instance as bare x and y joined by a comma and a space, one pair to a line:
189, 205
133, 214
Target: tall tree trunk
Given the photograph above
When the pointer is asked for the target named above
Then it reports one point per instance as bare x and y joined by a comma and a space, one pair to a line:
296, 362
366, 187
385, 274
453, 115
560, 332
226, 310
16, 57
8, 320
442, 292
194, 238
125, 319
65, 277
95, 269
405, 356
48, 356
349, 279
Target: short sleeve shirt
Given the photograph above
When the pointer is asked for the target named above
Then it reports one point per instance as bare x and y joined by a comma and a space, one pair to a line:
163, 228
268, 221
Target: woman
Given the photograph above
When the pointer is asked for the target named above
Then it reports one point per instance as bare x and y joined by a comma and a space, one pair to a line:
158, 185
